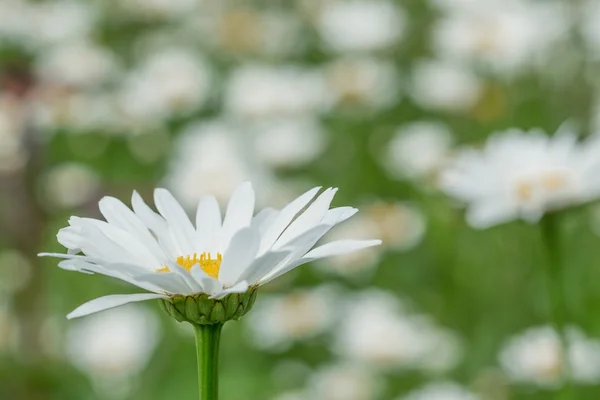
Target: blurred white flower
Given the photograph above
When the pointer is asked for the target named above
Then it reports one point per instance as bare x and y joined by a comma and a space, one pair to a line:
360, 25
440, 391
377, 332
79, 111
400, 225
363, 82
169, 82
534, 356
116, 344
524, 175
77, 64
503, 36
70, 185
537, 356
418, 150
13, 17
445, 86
297, 395
590, 28
584, 357
287, 142
266, 91
268, 31
343, 382
210, 158
158, 9
60, 21
279, 320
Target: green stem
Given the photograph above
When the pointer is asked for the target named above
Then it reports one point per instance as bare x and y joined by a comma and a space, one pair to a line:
554, 272
207, 349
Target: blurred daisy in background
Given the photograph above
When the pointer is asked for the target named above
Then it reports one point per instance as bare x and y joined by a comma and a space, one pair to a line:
343, 382
358, 25
503, 36
259, 91
363, 82
445, 86
70, 185
523, 175
418, 151
112, 348
377, 332
440, 391
209, 157
288, 142
277, 321
168, 82
400, 225
537, 357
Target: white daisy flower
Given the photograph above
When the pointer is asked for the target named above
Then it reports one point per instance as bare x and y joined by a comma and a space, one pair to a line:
441, 391
524, 175
166, 255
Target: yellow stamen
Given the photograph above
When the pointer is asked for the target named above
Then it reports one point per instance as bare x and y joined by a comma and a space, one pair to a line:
209, 265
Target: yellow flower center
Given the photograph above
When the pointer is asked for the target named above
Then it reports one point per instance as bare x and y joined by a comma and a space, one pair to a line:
209, 265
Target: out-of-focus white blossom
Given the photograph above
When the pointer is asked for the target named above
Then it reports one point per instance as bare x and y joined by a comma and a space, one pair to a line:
60, 21
500, 35
440, 391
264, 91
445, 86
590, 28
377, 332
288, 142
523, 175
212, 158
279, 320
363, 82
400, 225
537, 357
76, 64
343, 382
159, 9
70, 185
418, 150
168, 82
360, 25
116, 344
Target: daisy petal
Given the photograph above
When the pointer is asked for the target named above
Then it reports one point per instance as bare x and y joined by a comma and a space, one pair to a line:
308, 219
108, 302
338, 215
238, 288
208, 224
210, 285
285, 217
178, 221
340, 247
239, 213
264, 265
238, 256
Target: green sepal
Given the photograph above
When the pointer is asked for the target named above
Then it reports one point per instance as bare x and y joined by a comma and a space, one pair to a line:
199, 309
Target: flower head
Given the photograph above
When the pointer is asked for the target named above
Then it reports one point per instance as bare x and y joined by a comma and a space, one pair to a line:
165, 254
524, 175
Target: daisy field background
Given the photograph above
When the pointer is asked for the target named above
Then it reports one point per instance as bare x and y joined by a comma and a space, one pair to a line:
376, 97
